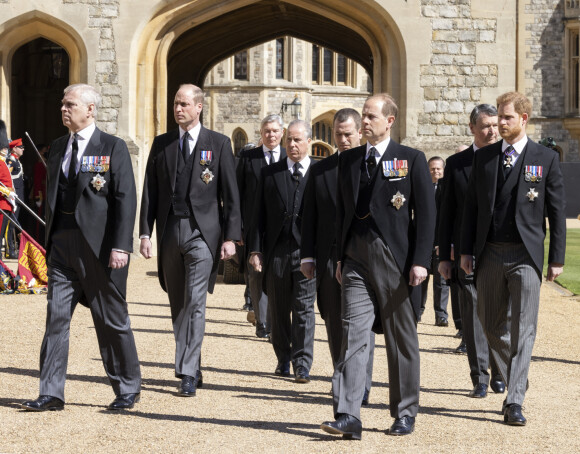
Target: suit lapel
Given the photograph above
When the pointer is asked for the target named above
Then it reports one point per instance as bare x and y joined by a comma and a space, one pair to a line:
330, 176
203, 143
171, 152
280, 179
389, 155
491, 170
358, 156
467, 163
54, 167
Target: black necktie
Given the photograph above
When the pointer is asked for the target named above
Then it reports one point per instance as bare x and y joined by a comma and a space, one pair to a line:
72, 168
371, 162
185, 146
272, 157
297, 175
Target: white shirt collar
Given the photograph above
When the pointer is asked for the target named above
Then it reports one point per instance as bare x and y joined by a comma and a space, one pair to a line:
304, 164
518, 146
193, 133
381, 147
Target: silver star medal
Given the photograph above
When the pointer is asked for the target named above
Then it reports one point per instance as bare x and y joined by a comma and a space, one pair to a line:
206, 176
398, 200
532, 194
98, 182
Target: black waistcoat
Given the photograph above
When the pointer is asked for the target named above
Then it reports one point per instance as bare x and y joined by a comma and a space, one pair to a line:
66, 201
293, 221
181, 204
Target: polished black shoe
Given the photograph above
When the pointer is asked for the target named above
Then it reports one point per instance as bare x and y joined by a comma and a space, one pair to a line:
440, 321
479, 391
247, 307
459, 334
497, 386
43, 403
261, 331
365, 400
124, 401
251, 317
461, 349
513, 415
301, 375
189, 385
346, 425
403, 426
283, 369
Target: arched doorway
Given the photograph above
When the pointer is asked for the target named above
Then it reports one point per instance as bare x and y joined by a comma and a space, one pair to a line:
184, 40
40, 72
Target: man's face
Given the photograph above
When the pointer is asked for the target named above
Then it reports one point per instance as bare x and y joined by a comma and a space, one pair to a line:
75, 114
375, 126
271, 134
512, 125
436, 170
185, 110
484, 131
346, 136
296, 143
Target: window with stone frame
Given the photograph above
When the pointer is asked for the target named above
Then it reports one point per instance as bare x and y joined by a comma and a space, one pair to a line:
330, 68
239, 139
283, 53
573, 68
241, 65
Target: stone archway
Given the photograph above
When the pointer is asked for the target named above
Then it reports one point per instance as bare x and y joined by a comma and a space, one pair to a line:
368, 25
26, 28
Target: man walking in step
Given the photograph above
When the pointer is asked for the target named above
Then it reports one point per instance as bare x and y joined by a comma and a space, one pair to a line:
514, 183
318, 247
385, 225
90, 213
248, 176
274, 243
483, 126
440, 285
190, 192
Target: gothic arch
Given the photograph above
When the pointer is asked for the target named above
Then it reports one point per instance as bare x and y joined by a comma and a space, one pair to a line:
27, 27
368, 23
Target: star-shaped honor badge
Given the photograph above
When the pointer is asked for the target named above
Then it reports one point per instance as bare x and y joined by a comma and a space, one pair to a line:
98, 182
398, 200
532, 194
206, 176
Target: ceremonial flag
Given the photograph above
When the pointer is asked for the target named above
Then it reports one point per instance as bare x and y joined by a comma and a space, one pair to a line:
31, 263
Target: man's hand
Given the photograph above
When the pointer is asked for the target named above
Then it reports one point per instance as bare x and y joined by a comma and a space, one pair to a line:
554, 270
338, 273
308, 269
145, 248
118, 260
437, 251
417, 275
256, 261
467, 263
228, 250
445, 268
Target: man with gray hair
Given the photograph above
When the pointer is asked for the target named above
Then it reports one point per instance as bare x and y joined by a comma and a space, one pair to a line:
90, 214
274, 244
248, 172
483, 126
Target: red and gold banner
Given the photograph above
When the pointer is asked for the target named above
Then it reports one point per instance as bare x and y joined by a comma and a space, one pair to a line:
31, 263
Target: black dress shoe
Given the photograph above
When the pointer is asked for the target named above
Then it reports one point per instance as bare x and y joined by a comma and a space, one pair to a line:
261, 331
302, 375
461, 349
479, 391
189, 385
43, 403
124, 401
346, 425
247, 306
513, 415
440, 321
283, 369
498, 386
459, 334
403, 426
365, 400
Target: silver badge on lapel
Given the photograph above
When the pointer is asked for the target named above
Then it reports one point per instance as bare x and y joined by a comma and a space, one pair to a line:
98, 182
532, 194
206, 176
398, 200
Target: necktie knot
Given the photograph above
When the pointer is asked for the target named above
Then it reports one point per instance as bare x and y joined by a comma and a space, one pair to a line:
508, 161
371, 161
296, 174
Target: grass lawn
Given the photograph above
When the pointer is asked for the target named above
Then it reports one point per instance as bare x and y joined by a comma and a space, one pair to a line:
570, 278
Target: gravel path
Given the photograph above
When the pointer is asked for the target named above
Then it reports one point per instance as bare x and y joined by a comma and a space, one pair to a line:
244, 407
